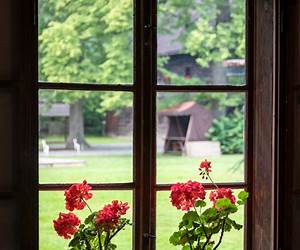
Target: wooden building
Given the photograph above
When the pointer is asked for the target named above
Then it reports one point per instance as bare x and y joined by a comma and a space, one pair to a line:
187, 121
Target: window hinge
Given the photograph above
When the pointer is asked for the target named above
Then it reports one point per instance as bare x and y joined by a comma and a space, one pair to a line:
34, 14
149, 236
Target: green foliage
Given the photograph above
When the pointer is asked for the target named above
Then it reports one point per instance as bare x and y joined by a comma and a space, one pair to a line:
219, 32
196, 229
93, 119
91, 41
214, 30
85, 41
229, 131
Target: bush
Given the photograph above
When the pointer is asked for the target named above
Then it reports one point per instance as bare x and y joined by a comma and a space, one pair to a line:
229, 131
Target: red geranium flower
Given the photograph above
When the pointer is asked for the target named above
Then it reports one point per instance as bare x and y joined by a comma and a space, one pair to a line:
184, 195
108, 217
76, 195
205, 166
222, 193
66, 224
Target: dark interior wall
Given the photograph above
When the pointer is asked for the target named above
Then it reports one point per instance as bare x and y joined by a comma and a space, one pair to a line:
290, 163
9, 73
5, 42
9, 49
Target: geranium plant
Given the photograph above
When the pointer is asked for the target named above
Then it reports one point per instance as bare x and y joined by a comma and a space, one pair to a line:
98, 229
204, 223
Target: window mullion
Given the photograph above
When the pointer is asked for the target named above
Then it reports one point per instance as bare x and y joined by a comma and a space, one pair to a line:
145, 119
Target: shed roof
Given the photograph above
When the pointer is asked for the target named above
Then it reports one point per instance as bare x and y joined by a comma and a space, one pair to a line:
185, 108
54, 110
168, 44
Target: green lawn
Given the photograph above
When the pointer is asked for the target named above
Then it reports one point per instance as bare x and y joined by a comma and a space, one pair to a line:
100, 168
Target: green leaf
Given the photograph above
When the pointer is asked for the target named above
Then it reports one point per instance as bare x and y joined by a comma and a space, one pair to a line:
74, 242
175, 238
240, 202
210, 214
223, 203
189, 218
243, 195
90, 218
235, 225
200, 203
112, 246
232, 208
185, 248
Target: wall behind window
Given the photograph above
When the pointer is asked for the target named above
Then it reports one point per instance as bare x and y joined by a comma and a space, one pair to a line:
9, 72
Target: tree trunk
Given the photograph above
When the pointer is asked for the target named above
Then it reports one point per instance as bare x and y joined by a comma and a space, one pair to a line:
76, 126
218, 74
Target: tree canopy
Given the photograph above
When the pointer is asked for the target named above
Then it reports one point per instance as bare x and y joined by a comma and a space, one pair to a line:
91, 41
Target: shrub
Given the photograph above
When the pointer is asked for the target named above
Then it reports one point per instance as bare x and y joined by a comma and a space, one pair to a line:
229, 131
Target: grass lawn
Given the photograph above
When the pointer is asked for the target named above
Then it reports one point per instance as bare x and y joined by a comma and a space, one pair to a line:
100, 168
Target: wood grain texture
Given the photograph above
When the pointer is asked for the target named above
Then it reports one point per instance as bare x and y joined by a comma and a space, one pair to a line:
263, 165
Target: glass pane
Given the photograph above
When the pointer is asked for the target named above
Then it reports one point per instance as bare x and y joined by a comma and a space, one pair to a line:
51, 203
168, 218
86, 41
201, 42
85, 135
192, 127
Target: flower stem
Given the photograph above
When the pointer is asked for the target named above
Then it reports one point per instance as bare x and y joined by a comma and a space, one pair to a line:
87, 205
106, 241
99, 239
222, 233
206, 242
118, 230
212, 181
88, 245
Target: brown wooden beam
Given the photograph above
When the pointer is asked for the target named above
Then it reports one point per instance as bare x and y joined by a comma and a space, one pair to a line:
237, 185
95, 186
86, 86
201, 88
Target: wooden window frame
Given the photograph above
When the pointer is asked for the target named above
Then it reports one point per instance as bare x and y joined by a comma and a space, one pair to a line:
261, 94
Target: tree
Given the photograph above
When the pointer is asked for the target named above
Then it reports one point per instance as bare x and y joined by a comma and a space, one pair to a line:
209, 30
91, 41
85, 41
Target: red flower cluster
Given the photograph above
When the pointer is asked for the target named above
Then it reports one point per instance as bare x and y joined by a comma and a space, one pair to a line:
222, 193
76, 195
184, 195
109, 216
205, 166
66, 224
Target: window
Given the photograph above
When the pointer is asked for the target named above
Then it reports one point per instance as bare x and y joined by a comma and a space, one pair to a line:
101, 73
